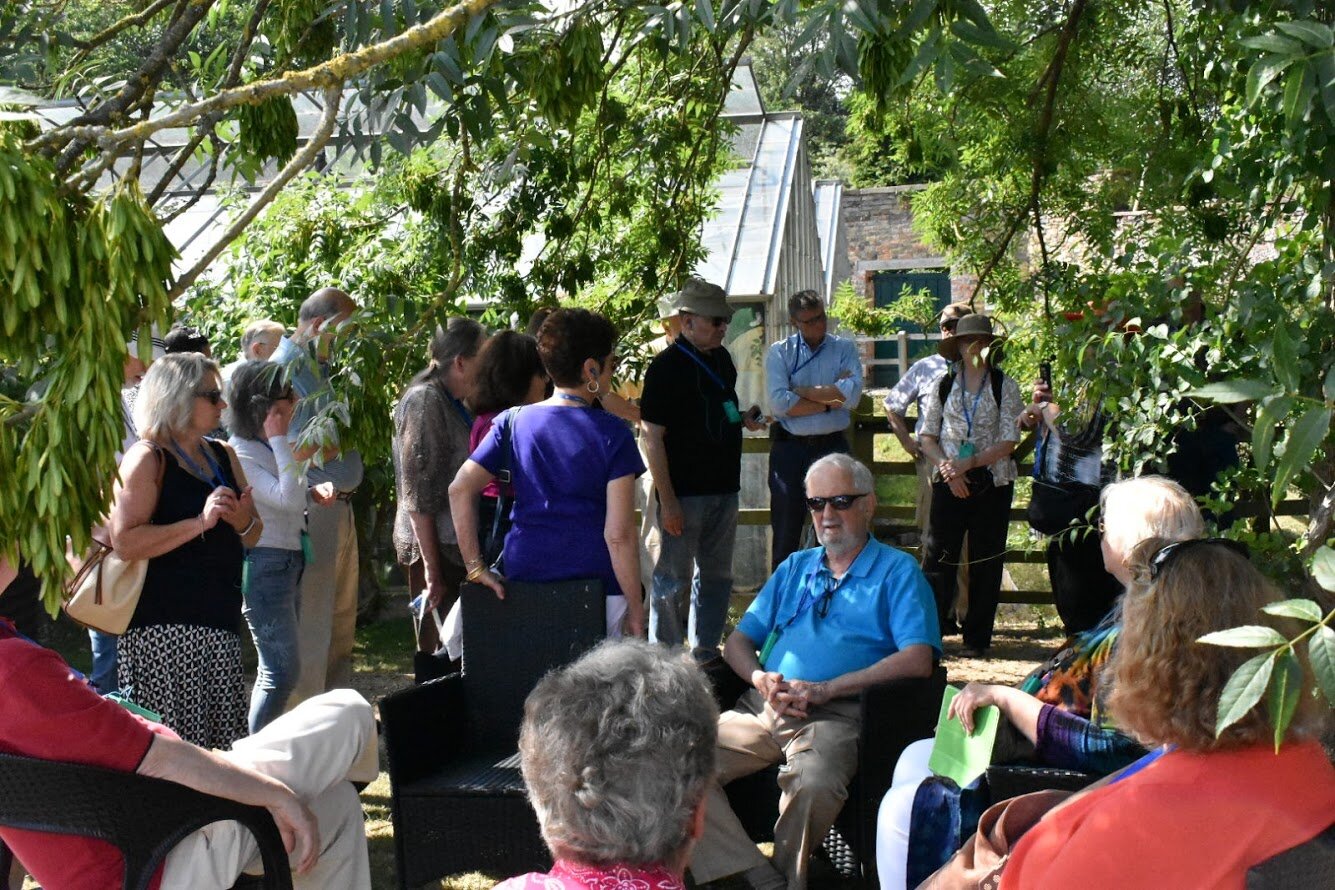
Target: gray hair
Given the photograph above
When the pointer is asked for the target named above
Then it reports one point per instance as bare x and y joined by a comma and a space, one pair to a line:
257, 330
166, 401
857, 471
1135, 510
325, 302
617, 751
803, 301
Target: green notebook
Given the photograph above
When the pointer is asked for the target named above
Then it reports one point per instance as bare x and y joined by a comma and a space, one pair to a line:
956, 755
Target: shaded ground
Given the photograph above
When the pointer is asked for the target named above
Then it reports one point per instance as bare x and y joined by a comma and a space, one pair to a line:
383, 663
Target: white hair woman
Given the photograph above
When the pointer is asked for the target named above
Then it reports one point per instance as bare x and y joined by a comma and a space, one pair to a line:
183, 504
1057, 715
617, 751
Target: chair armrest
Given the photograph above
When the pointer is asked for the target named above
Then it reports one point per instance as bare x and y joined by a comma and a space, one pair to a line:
1007, 780
894, 715
424, 725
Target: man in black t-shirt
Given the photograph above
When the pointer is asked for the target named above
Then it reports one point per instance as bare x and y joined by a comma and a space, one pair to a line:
693, 439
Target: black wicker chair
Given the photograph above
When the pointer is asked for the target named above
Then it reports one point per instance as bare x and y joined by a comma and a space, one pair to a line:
457, 799
1007, 780
143, 817
1310, 864
894, 715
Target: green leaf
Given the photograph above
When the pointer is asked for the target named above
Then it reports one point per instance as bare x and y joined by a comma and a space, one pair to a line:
704, 11
1299, 91
1314, 34
1286, 684
1304, 438
1285, 353
967, 30
1263, 72
1248, 636
1321, 654
1304, 609
1243, 690
1230, 391
1323, 567
1273, 43
1273, 411
1328, 387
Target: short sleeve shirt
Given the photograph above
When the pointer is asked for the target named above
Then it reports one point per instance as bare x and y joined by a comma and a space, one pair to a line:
49, 711
704, 447
912, 388
430, 445
561, 462
975, 417
882, 605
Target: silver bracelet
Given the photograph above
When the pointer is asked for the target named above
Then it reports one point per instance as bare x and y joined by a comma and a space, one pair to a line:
245, 531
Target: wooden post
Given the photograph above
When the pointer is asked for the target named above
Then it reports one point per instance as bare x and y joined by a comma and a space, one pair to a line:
903, 338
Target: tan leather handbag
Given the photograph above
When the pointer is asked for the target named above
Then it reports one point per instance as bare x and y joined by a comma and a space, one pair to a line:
105, 591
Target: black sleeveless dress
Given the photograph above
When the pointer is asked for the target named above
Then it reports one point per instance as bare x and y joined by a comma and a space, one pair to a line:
181, 655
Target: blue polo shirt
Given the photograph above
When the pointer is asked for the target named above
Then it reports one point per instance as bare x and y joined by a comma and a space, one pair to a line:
881, 605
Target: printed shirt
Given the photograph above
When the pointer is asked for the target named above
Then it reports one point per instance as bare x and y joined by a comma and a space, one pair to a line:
567, 875
990, 424
790, 363
912, 388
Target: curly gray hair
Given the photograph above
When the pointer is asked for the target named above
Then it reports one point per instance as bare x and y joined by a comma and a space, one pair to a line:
617, 751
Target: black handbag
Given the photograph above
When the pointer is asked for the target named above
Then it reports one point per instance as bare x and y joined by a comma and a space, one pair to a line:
493, 549
1055, 506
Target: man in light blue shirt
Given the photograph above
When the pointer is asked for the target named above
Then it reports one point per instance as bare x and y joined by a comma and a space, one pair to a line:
329, 584
830, 622
814, 379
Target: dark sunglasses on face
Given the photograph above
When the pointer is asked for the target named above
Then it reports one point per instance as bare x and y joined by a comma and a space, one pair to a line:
213, 395
717, 321
948, 325
838, 501
1165, 556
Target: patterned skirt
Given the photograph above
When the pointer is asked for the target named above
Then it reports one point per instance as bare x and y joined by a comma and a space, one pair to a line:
191, 676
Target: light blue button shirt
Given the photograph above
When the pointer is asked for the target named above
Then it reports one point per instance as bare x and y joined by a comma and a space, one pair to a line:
790, 363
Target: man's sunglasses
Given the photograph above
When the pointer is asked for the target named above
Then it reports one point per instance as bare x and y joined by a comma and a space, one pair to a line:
213, 395
1165, 555
838, 501
717, 321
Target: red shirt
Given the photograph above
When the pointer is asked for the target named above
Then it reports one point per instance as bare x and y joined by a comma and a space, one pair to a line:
48, 711
1188, 820
567, 875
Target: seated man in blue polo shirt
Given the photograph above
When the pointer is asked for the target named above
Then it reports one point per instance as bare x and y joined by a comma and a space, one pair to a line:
830, 622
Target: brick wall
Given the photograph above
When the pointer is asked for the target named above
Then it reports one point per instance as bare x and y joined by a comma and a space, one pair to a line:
878, 224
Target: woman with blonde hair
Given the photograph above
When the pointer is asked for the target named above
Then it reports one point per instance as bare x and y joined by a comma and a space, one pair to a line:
1057, 716
1204, 807
183, 504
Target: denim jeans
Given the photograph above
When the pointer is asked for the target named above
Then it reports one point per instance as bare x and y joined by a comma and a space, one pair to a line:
103, 676
273, 579
709, 529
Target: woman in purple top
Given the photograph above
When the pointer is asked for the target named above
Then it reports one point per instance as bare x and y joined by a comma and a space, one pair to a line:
574, 470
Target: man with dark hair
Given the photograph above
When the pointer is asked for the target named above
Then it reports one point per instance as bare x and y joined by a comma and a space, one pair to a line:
183, 338
814, 379
830, 622
693, 441
329, 584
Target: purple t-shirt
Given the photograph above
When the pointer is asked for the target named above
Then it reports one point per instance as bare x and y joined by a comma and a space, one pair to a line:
562, 460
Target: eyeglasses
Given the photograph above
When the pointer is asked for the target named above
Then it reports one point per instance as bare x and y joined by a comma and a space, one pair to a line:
1164, 556
815, 319
213, 395
717, 321
838, 501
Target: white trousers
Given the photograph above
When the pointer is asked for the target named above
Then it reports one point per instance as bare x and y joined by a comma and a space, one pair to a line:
318, 749
892, 819
328, 624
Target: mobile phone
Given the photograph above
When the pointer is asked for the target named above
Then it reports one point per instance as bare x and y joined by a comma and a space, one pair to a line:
752, 414
1045, 373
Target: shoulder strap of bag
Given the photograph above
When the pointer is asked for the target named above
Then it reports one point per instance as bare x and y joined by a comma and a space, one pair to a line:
505, 477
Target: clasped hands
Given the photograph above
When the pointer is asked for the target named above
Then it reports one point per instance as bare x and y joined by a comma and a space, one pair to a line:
953, 474
790, 698
223, 503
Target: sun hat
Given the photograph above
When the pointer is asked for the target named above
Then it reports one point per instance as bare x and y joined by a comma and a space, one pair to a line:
699, 297
973, 325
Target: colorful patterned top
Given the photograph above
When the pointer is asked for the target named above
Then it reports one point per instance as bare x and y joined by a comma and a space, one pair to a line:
570, 876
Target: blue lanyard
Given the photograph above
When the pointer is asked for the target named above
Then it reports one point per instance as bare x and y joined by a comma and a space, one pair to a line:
701, 362
1143, 762
215, 473
804, 605
811, 358
964, 403
463, 412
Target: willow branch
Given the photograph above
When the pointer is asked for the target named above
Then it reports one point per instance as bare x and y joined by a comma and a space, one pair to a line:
326, 74
300, 161
130, 21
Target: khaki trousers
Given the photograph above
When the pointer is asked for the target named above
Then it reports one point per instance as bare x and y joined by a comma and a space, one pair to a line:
327, 626
819, 756
922, 511
317, 750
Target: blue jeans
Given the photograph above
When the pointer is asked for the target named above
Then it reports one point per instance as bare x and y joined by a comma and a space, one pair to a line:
103, 675
273, 579
709, 528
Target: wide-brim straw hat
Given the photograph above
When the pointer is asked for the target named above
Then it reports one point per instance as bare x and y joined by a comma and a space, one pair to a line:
969, 326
